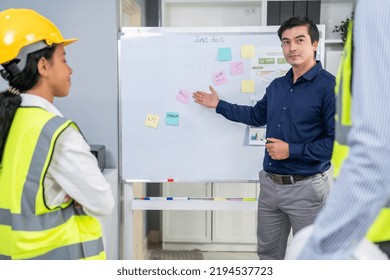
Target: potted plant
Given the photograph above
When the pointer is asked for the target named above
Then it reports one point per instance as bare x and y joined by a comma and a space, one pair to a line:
343, 29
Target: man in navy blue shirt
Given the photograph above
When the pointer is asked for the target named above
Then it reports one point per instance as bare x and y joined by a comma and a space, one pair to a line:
298, 110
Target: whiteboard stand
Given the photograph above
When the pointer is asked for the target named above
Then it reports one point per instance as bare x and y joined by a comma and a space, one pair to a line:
155, 65
129, 204
194, 205
127, 227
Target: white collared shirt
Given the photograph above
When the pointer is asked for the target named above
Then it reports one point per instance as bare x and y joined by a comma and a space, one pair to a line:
73, 170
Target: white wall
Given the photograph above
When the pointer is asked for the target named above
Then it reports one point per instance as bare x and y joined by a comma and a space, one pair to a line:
178, 13
93, 99
222, 13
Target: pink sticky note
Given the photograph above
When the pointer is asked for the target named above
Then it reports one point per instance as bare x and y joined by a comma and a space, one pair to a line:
183, 96
219, 78
236, 68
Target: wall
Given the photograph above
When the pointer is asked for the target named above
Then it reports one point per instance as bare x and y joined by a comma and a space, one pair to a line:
239, 13
93, 99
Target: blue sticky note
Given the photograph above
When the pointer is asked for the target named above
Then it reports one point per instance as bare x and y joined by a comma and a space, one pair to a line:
172, 118
224, 54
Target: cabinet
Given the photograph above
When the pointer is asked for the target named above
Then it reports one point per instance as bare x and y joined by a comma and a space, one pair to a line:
192, 226
217, 230
110, 223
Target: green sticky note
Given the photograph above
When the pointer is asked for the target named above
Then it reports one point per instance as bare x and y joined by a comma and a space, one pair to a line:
172, 118
249, 199
224, 54
267, 60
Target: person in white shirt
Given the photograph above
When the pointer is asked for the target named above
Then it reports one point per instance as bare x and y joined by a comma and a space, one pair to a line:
51, 188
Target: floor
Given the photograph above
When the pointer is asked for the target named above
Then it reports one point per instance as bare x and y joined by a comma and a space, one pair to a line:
230, 256
217, 255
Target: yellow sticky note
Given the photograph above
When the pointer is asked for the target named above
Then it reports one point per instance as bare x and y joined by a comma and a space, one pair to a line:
248, 86
247, 51
152, 120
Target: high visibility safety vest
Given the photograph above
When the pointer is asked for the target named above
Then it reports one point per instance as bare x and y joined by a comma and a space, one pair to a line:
29, 228
380, 229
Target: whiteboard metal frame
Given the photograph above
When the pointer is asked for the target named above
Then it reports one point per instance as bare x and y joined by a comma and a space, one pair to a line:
164, 31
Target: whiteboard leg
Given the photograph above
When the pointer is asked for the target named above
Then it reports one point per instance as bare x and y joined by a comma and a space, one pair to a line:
127, 214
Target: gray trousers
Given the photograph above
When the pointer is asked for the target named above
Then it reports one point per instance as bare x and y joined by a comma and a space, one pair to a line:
281, 207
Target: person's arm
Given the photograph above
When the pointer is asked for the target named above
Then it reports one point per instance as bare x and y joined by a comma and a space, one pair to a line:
362, 188
75, 170
256, 116
209, 100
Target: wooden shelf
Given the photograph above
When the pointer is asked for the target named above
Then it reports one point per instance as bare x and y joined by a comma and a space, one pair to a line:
333, 41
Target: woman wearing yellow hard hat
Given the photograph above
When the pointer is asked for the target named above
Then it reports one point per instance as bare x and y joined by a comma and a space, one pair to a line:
51, 188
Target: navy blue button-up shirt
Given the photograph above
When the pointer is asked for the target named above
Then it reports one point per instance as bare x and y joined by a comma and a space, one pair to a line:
301, 114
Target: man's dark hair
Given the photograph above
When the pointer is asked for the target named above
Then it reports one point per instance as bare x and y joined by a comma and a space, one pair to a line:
299, 21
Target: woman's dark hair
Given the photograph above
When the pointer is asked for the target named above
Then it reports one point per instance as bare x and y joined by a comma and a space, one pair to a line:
23, 81
300, 21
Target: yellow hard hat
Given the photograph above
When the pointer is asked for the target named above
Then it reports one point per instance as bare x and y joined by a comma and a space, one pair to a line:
23, 27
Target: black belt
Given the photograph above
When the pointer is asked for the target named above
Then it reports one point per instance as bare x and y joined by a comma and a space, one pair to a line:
290, 179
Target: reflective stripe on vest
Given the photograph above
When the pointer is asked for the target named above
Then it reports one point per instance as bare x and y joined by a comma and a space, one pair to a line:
39, 232
343, 120
380, 229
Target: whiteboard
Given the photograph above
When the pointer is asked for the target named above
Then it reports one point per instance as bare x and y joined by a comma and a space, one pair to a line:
158, 65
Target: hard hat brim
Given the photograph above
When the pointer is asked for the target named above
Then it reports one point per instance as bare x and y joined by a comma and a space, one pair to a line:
69, 41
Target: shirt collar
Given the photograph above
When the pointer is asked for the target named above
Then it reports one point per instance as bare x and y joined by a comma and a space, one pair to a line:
31, 100
309, 75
